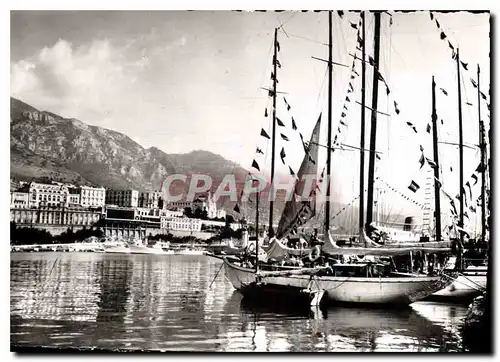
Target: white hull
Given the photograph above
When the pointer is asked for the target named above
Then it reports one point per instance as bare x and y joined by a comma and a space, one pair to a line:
117, 250
385, 290
462, 288
190, 252
139, 249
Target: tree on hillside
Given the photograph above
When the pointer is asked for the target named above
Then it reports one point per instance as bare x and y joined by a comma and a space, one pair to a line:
29, 236
198, 214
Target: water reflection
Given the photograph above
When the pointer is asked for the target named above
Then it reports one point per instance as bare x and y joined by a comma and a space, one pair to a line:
170, 303
341, 329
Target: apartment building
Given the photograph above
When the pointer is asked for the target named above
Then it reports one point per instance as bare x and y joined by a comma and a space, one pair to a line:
92, 196
149, 200
54, 195
122, 198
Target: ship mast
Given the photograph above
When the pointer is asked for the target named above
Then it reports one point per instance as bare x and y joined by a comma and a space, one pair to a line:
437, 185
373, 130
329, 145
362, 142
257, 197
461, 153
273, 147
482, 146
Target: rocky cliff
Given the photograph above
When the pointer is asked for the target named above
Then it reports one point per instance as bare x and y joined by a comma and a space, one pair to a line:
44, 144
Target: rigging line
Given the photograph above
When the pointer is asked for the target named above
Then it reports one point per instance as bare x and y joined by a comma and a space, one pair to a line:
447, 31
469, 111
400, 58
389, 76
290, 18
268, 100
341, 31
389, 213
266, 70
322, 86
395, 221
306, 39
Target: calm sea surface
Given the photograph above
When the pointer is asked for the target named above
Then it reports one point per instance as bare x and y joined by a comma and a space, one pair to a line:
167, 302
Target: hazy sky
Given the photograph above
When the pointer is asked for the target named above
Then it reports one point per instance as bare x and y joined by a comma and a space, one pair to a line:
191, 80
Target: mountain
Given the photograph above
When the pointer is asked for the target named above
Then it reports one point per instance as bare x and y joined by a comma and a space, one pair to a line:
46, 145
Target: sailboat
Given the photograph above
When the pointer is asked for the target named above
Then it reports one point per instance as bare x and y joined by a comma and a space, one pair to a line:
373, 281
469, 281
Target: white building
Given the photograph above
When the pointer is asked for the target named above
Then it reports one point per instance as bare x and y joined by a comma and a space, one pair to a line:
149, 199
48, 195
123, 198
234, 225
92, 196
172, 213
180, 224
74, 198
144, 211
19, 200
179, 205
55, 216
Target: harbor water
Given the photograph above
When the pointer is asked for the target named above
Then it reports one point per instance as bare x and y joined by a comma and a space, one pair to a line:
173, 303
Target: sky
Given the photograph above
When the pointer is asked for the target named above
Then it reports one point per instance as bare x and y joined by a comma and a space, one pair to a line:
183, 81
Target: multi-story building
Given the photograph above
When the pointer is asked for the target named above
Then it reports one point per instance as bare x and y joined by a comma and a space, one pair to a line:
178, 205
92, 196
19, 199
54, 195
221, 224
49, 215
123, 198
180, 224
171, 213
73, 196
121, 213
130, 221
149, 199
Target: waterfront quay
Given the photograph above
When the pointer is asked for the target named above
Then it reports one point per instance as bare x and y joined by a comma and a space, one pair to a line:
57, 207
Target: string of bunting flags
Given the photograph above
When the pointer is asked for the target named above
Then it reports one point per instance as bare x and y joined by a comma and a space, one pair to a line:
380, 77
412, 185
471, 182
423, 159
263, 133
352, 77
444, 37
283, 135
279, 122
344, 208
350, 203
397, 110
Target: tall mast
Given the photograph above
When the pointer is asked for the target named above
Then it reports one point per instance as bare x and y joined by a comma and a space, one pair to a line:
329, 153
362, 142
461, 152
482, 146
257, 232
437, 185
373, 131
271, 202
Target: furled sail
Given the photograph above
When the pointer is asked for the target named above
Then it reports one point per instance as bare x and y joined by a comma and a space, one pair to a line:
298, 210
279, 251
330, 247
